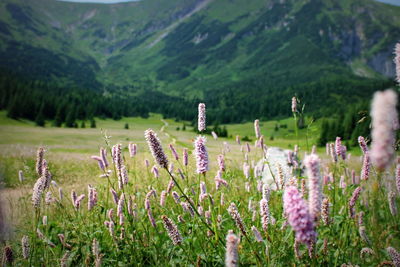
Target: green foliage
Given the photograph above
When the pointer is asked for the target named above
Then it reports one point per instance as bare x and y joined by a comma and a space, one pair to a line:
92, 123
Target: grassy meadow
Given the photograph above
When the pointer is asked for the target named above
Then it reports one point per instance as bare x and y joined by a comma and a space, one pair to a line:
133, 226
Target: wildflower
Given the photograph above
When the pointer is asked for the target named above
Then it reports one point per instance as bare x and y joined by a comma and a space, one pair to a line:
120, 205
257, 234
172, 230
114, 195
46, 175
246, 170
201, 124
312, 163
95, 248
366, 251
398, 178
394, 255
180, 219
294, 104
247, 147
20, 176
155, 172
124, 179
8, 256
392, 203
39, 160
298, 216
314, 149
221, 162
342, 183
214, 135
25, 247
266, 192
78, 200
185, 157
103, 154
37, 192
281, 178
231, 254
325, 211
365, 167
201, 154
92, 197
48, 199
384, 123
363, 144
171, 184
333, 152
60, 194
156, 148
162, 198
132, 149
397, 61
99, 161
363, 234
264, 212
257, 128
352, 201
233, 211
338, 147
173, 151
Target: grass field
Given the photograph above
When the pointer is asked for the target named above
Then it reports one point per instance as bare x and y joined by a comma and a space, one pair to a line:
137, 230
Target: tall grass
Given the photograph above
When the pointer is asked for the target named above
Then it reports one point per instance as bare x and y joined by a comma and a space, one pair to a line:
184, 217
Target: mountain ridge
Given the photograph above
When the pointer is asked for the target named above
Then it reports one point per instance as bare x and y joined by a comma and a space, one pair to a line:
201, 49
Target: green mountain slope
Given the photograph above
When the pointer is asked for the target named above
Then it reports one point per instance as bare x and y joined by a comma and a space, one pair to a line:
253, 51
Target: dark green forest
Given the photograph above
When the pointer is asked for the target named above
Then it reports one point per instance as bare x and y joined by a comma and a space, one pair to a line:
341, 104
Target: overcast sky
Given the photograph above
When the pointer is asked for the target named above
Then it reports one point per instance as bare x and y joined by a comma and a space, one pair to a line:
100, 1
393, 2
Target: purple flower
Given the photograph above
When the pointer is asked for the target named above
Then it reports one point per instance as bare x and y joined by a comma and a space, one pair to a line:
394, 255
338, 146
172, 230
39, 160
257, 128
99, 161
363, 144
132, 150
156, 148
365, 167
103, 154
298, 216
171, 147
231, 254
384, 124
185, 157
201, 154
397, 61
221, 162
312, 163
201, 124
92, 197
352, 201
398, 178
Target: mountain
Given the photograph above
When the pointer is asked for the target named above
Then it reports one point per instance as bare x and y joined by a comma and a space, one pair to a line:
230, 53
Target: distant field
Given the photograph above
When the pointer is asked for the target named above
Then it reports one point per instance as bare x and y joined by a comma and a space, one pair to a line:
21, 138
